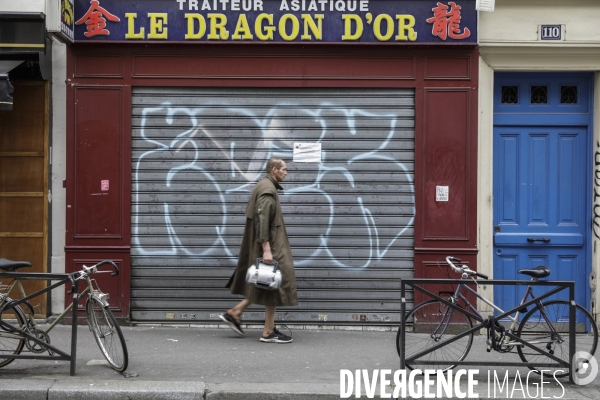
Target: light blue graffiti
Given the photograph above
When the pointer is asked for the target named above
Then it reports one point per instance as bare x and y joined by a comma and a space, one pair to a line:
273, 142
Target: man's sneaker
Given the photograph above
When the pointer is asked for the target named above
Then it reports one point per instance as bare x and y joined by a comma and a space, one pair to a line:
276, 337
233, 324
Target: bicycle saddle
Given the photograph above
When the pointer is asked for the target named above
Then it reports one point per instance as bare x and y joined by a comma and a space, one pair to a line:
12, 266
537, 272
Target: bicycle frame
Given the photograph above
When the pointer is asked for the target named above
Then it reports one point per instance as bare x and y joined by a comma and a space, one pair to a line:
514, 320
89, 291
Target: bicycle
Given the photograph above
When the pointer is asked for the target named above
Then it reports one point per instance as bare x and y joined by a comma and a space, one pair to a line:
101, 321
546, 326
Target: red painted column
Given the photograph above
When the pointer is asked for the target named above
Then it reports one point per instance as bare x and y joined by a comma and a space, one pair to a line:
98, 185
446, 159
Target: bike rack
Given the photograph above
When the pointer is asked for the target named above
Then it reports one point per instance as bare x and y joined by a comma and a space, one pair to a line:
485, 322
62, 280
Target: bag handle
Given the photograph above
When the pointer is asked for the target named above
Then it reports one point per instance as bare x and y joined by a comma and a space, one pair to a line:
259, 261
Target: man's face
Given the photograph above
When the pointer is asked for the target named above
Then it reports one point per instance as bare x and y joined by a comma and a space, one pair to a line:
280, 173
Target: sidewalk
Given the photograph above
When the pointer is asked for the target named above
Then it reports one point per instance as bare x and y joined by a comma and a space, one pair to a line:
170, 362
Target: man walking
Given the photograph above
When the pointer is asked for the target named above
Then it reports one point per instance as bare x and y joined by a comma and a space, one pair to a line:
264, 237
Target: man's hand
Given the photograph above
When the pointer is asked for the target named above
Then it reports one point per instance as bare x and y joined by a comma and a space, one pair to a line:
267, 255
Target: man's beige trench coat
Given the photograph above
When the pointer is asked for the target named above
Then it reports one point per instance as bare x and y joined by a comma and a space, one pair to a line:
251, 249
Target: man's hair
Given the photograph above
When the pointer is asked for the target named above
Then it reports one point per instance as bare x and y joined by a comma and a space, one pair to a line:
274, 162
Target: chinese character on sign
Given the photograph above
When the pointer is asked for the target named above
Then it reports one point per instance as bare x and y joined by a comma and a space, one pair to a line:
95, 19
447, 23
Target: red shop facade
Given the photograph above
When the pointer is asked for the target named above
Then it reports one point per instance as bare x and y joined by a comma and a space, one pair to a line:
175, 107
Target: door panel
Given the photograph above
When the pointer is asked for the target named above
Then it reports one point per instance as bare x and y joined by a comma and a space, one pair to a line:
540, 206
24, 183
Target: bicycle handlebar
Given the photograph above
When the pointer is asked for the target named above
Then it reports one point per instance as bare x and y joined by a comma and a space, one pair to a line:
111, 263
86, 271
463, 269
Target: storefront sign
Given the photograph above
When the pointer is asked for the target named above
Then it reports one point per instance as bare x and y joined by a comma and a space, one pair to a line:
66, 20
59, 19
302, 21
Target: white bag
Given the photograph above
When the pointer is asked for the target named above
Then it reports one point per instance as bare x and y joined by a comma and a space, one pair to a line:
264, 276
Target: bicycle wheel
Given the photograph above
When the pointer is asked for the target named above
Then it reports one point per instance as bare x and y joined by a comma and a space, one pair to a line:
11, 342
107, 333
430, 327
536, 330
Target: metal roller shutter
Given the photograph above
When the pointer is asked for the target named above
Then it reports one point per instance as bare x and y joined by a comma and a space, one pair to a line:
197, 153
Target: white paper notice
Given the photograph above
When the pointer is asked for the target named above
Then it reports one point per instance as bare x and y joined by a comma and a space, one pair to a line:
307, 152
441, 193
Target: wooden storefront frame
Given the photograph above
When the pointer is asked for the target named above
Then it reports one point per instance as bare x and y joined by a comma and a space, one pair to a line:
445, 155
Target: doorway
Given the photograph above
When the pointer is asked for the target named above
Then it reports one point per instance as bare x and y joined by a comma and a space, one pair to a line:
542, 186
24, 182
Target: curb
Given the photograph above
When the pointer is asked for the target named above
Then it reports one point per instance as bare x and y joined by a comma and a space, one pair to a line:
85, 389
272, 391
25, 389
88, 389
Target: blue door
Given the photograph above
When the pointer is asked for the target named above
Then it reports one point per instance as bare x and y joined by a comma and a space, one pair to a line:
542, 187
